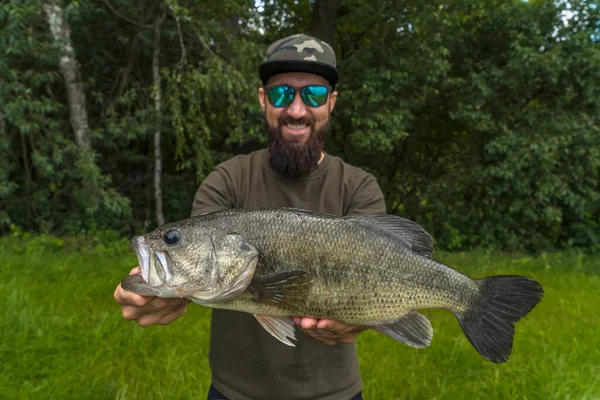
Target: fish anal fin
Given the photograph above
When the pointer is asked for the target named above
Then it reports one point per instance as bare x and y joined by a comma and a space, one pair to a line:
413, 329
287, 289
280, 327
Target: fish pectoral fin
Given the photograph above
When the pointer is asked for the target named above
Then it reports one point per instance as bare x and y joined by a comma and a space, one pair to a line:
282, 328
286, 289
413, 329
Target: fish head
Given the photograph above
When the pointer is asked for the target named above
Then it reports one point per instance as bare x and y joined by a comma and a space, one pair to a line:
193, 261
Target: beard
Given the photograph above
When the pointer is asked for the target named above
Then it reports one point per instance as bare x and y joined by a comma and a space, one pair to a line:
295, 159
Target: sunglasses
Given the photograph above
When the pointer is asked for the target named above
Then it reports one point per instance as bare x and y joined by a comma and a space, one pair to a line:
283, 95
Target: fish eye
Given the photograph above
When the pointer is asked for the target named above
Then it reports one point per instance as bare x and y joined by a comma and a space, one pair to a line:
172, 237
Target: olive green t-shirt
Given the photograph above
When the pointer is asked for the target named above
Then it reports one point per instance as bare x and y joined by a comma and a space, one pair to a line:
247, 363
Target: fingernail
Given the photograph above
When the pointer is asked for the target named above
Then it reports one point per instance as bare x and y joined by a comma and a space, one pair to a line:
307, 324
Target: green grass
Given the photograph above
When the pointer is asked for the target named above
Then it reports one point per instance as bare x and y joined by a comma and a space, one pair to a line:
62, 335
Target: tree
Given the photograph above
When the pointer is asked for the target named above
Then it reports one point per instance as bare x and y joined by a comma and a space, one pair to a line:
50, 183
70, 71
158, 209
324, 20
479, 118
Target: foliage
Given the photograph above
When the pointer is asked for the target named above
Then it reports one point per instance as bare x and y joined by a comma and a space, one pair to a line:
488, 114
50, 184
87, 242
480, 119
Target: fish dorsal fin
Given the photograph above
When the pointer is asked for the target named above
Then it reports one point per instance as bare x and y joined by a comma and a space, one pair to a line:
413, 235
280, 327
413, 329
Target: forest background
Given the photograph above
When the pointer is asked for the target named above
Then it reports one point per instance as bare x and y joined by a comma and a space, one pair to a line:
480, 118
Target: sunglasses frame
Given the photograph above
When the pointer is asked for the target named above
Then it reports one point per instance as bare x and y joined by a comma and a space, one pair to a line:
296, 91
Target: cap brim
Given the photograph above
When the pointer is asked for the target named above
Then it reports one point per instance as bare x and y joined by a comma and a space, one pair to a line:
269, 68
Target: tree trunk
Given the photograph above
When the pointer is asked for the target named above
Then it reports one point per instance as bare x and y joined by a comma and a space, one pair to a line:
24, 152
2, 124
324, 20
160, 218
70, 71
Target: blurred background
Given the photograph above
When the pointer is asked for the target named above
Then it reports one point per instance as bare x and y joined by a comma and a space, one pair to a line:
479, 118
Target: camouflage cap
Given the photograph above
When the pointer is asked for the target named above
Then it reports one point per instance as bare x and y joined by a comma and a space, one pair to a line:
299, 53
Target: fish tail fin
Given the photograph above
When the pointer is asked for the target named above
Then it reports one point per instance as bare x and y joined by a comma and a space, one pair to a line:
504, 300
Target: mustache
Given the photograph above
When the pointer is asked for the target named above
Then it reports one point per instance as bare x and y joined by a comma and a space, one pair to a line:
286, 119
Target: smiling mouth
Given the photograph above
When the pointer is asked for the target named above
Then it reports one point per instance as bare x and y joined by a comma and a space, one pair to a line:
296, 127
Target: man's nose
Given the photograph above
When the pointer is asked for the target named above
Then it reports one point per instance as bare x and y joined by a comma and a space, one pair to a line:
297, 109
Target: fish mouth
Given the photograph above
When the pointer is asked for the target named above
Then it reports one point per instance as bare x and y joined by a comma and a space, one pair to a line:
155, 267
142, 251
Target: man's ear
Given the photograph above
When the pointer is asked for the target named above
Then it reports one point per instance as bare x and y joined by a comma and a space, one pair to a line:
261, 98
332, 100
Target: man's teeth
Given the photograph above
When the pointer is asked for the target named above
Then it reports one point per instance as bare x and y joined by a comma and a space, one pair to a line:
296, 127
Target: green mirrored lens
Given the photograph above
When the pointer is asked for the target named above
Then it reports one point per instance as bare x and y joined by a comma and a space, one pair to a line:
281, 96
314, 96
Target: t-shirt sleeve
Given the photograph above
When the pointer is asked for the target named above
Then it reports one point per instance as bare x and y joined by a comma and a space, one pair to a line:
215, 193
367, 197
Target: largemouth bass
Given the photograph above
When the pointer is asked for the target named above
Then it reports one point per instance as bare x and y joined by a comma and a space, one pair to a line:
370, 270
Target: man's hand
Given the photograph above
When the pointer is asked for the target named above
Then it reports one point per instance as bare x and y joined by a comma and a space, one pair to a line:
329, 331
147, 310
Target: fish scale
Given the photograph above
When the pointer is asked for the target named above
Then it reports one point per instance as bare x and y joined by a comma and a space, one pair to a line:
390, 279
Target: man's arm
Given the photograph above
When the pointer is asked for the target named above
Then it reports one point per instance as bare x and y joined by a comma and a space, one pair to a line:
367, 198
215, 193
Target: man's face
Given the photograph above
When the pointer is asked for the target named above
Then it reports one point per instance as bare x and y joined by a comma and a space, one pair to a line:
296, 132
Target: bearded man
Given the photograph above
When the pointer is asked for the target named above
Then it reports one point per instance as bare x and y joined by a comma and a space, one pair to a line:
299, 75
